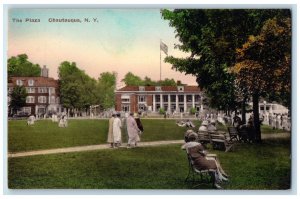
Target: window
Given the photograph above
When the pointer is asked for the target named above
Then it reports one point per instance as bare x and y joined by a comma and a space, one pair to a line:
30, 82
52, 100
141, 88
52, 90
157, 98
30, 90
173, 98
141, 98
43, 90
189, 98
19, 82
165, 98
125, 108
180, 98
30, 99
197, 98
157, 88
42, 99
125, 100
180, 88
27, 110
57, 101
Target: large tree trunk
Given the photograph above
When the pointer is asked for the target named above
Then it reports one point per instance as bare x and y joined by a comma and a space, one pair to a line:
244, 111
256, 123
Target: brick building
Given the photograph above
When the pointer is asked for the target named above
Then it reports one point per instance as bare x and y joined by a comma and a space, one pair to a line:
152, 98
43, 93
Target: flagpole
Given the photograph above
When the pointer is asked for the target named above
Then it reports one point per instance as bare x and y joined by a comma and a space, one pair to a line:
160, 61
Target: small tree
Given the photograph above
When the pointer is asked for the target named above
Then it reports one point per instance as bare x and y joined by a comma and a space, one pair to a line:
192, 111
18, 98
162, 111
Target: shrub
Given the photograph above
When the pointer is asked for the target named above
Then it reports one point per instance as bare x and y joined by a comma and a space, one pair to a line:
162, 111
192, 111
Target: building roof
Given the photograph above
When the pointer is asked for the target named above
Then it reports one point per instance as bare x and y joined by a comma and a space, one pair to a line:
163, 88
38, 81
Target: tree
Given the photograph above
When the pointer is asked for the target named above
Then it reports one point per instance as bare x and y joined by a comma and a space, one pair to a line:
18, 98
20, 66
211, 37
77, 89
132, 80
149, 82
264, 65
106, 86
167, 82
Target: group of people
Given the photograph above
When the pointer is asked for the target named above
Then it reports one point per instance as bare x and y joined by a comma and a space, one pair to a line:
208, 125
279, 121
62, 120
201, 159
188, 123
132, 125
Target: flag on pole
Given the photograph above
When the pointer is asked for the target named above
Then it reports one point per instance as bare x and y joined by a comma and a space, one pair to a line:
164, 47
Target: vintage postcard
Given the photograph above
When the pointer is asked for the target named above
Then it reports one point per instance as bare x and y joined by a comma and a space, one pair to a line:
149, 99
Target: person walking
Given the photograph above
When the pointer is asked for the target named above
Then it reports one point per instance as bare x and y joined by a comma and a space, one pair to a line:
110, 136
133, 132
117, 124
139, 122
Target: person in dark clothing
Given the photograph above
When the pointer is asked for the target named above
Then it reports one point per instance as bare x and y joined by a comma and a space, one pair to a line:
139, 122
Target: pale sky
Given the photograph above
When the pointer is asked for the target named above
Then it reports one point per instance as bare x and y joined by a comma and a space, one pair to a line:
122, 40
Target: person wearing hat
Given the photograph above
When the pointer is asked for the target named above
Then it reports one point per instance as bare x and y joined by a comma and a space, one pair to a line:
133, 131
212, 126
110, 136
202, 161
203, 126
117, 124
187, 134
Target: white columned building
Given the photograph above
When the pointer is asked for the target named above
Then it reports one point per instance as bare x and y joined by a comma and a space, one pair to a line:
170, 98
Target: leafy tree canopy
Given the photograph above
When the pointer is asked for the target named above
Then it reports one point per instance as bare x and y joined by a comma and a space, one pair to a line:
18, 98
133, 80
20, 66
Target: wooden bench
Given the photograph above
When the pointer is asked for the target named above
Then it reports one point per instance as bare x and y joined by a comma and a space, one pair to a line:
233, 134
219, 141
203, 137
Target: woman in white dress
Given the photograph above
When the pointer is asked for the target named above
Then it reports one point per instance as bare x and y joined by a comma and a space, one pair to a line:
117, 124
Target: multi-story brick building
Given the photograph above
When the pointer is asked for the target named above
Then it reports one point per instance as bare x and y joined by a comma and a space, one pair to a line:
43, 93
152, 98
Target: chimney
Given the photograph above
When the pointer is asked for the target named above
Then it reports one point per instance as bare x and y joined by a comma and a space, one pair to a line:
44, 71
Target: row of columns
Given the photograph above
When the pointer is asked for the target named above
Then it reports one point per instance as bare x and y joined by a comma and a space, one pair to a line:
177, 102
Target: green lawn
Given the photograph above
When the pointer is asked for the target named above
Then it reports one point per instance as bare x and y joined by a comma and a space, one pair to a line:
47, 135
250, 166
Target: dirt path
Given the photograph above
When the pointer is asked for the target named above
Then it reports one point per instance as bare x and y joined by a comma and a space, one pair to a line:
106, 146
87, 148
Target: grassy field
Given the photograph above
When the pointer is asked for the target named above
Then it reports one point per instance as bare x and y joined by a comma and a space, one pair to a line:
47, 135
250, 166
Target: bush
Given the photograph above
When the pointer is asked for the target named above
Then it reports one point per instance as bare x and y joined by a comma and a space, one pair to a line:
162, 111
192, 111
